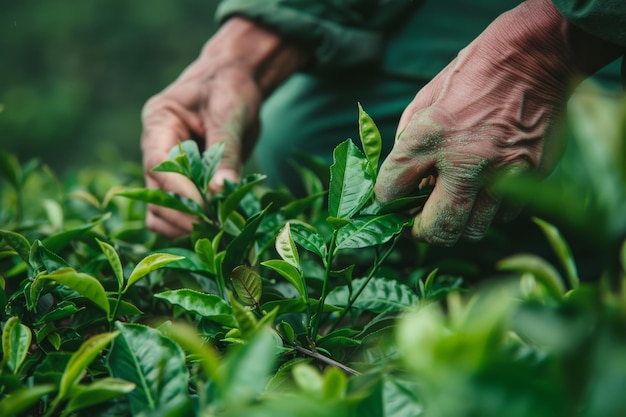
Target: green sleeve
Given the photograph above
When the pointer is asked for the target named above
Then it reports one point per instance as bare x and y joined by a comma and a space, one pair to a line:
605, 19
341, 33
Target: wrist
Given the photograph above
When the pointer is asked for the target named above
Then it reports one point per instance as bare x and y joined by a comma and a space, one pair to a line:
546, 40
264, 55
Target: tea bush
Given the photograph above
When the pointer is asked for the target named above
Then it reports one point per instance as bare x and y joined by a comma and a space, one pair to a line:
284, 306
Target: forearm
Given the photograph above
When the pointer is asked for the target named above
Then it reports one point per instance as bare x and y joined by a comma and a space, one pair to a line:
568, 50
250, 49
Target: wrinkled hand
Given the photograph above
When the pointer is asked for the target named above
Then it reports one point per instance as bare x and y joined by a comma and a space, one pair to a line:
490, 109
217, 98
220, 105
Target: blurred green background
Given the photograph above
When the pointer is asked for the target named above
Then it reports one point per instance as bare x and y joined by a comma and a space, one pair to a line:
75, 74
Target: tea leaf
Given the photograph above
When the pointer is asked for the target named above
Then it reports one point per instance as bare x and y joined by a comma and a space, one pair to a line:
189, 260
86, 197
16, 339
62, 310
351, 183
296, 207
17, 401
392, 396
370, 230
206, 253
114, 261
237, 250
335, 384
337, 222
403, 204
344, 274
187, 337
54, 212
108, 197
339, 338
208, 306
19, 243
296, 305
247, 284
97, 392
232, 201
188, 152
378, 296
124, 308
245, 376
148, 264
41, 259
169, 166
211, 159
429, 280
246, 321
161, 198
153, 362
86, 285
562, 250
545, 273
286, 331
80, 360
51, 368
305, 236
289, 272
286, 248
308, 379
370, 140
60, 240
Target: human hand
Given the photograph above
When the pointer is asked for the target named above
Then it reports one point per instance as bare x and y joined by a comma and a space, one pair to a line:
217, 98
491, 109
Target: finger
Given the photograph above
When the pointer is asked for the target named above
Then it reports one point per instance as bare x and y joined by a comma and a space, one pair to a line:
400, 175
481, 217
411, 160
511, 208
165, 123
177, 184
446, 212
160, 223
227, 120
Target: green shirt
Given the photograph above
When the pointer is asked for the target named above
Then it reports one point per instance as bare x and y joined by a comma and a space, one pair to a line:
405, 38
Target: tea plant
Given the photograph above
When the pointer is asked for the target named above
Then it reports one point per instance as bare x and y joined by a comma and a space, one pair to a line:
283, 306
245, 243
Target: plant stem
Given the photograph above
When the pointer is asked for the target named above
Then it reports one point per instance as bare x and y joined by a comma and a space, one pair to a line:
370, 275
117, 306
307, 301
53, 407
221, 284
326, 360
320, 306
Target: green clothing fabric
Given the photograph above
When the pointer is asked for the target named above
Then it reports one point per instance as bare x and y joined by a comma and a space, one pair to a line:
311, 115
605, 19
340, 32
377, 52
405, 37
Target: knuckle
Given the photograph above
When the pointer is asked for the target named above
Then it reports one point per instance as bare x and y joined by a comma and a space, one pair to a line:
474, 234
152, 105
152, 221
445, 234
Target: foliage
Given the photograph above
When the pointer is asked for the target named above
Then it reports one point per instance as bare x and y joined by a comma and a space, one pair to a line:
71, 73
278, 306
